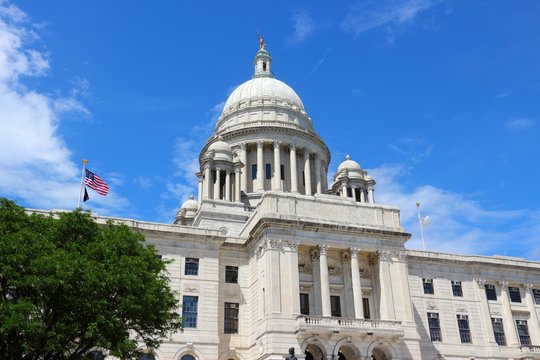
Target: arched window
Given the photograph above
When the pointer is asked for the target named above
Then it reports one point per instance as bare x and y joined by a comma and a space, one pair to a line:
187, 357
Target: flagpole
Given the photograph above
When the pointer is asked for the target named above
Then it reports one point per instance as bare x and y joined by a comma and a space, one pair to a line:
421, 226
82, 183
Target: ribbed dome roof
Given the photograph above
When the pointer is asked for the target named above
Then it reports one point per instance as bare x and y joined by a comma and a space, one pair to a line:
267, 89
190, 204
222, 150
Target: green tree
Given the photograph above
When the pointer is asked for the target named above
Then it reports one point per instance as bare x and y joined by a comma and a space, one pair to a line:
69, 286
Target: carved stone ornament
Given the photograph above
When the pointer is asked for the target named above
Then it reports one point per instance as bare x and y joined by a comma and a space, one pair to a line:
345, 257
243, 146
461, 308
304, 264
323, 249
293, 245
365, 271
384, 255
432, 306
401, 255
503, 284
480, 282
192, 288
315, 254
334, 268
528, 287
354, 251
496, 312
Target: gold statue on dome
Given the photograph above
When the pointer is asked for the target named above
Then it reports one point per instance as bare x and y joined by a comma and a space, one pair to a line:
261, 42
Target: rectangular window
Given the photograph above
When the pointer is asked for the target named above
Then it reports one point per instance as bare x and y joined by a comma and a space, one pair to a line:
189, 311
159, 256
192, 266
253, 171
365, 303
523, 332
434, 327
428, 286
231, 274
268, 171
515, 295
464, 331
498, 330
335, 305
457, 290
536, 294
303, 178
490, 292
282, 169
304, 304
231, 318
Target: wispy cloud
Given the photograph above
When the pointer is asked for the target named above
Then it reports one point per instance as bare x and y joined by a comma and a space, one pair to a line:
413, 149
519, 124
460, 224
320, 62
389, 14
304, 27
35, 161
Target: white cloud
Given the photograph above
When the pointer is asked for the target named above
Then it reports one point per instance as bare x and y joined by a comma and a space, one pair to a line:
519, 124
459, 223
304, 27
35, 162
391, 14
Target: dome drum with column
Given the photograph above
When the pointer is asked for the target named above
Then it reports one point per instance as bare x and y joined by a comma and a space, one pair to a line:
351, 181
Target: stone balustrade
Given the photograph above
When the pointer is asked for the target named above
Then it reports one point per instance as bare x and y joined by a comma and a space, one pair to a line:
531, 349
386, 328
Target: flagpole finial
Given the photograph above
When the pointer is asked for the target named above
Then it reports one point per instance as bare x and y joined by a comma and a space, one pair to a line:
417, 204
85, 161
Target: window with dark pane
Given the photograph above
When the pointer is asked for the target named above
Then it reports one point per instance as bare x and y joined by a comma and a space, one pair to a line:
268, 171
428, 286
523, 332
536, 294
498, 331
231, 318
192, 266
515, 295
464, 331
457, 290
367, 313
304, 304
231, 274
282, 170
491, 294
189, 311
335, 306
253, 171
434, 327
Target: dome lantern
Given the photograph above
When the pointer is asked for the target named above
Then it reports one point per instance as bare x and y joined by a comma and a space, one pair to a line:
262, 61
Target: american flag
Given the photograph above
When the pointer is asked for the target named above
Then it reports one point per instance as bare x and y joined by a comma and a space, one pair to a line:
93, 181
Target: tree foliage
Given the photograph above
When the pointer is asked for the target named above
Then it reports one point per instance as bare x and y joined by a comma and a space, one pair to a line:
69, 285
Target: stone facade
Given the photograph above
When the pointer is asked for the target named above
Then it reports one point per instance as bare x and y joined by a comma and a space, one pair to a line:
270, 257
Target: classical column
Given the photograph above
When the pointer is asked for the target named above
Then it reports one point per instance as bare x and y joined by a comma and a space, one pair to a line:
307, 172
294, 169
217, 184
371, 198
362, 195
200, 188
276, 184
325, 283
243, 159
344, 189
353, 192
227, 185
260, 166
318, 173
508, 318
385, 286
207, 182
237, 194
485, 311
324, 178
356, 284
534, 324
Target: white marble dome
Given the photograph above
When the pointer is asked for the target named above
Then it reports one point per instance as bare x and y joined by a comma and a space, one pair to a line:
222, 151
190, 205
349, 164
265, 89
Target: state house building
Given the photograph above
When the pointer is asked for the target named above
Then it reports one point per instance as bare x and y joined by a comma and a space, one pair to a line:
270, 256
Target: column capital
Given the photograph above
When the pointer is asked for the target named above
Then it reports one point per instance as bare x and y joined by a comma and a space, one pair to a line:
293, 245
528, 287
243, 146
384, 255
354, 251
217, 169
292, 147
323, 249
480, 282
260, 144
503, 284
401, 255
277, 144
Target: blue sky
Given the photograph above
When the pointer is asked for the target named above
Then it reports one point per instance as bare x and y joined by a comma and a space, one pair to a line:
439, 100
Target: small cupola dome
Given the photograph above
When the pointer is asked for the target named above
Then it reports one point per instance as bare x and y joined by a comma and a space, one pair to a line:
221, 150
348, 164
187, 212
